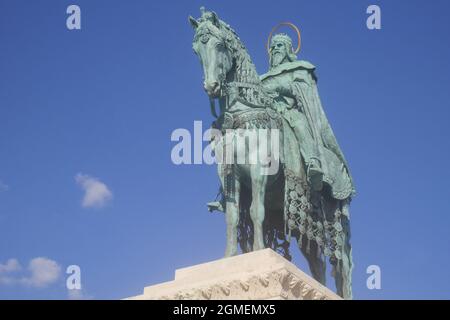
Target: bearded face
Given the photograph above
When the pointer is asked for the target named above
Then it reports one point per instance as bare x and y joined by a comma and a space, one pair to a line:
278, 53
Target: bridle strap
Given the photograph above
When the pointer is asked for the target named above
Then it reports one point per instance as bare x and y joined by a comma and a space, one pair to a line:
212, 104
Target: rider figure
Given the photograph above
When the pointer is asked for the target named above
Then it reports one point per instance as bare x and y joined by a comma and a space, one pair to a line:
285, 79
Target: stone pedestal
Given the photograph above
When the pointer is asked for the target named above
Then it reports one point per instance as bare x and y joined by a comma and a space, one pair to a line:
258, 275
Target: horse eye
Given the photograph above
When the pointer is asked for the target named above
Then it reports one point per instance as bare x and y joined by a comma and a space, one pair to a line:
204, 38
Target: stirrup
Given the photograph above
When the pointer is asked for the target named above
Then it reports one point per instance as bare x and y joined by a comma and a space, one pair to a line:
215, 206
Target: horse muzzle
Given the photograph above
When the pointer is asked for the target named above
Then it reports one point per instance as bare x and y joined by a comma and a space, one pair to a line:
212, 89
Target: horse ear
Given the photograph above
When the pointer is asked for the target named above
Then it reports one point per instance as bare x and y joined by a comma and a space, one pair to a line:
215, 19
193, 22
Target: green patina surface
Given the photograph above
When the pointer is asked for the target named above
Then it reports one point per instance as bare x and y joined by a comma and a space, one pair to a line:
309, 197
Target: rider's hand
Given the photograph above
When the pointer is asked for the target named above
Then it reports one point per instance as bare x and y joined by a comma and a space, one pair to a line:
279, 107
272, 86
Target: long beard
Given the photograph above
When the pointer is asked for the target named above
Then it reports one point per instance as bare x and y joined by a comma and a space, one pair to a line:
277, 59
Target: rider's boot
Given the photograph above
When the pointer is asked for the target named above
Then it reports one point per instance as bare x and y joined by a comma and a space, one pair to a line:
315, 175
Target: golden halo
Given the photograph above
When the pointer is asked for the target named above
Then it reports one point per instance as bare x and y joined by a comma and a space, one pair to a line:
289, 24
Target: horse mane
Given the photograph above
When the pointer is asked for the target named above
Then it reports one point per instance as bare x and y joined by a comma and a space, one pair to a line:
245, 68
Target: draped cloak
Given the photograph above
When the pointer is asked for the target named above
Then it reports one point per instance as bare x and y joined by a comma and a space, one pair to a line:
304, 112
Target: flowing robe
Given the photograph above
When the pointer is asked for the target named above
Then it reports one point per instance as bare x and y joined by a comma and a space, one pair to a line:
299, 103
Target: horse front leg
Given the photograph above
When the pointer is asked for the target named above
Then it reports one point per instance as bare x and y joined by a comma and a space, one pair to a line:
257, 210
232, 218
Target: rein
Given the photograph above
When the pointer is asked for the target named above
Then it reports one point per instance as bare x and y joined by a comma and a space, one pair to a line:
255, 92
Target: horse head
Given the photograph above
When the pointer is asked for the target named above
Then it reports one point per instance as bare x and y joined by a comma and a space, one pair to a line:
211, 46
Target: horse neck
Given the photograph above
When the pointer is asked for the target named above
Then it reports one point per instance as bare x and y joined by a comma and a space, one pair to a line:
243, 80
245, 86
245, 71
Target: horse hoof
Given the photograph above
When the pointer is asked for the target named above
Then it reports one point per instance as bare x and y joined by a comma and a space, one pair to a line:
230, 254
258, 247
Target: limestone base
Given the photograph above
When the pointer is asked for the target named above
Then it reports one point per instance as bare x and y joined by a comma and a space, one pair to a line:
257, 275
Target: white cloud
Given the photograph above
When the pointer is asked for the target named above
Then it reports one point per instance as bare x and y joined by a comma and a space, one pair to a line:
97, 194
7, 280
10, 266
3, 187
41, 272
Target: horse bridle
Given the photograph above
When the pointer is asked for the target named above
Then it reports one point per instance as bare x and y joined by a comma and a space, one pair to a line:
224, 93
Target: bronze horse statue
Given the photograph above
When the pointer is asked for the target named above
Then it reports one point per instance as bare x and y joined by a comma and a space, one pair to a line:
264, 210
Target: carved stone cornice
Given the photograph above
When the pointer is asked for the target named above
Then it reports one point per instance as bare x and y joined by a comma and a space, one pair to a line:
257, 275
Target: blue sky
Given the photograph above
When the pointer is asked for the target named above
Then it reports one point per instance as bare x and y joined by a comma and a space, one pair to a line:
97, 107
